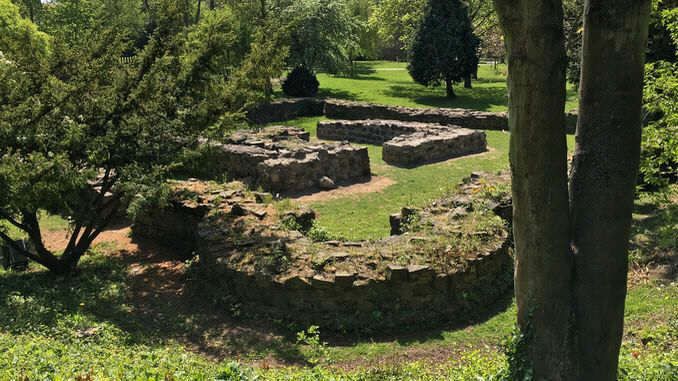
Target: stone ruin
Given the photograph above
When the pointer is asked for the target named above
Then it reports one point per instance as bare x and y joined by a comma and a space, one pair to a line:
442, 265
477, 120
282, 160
291, 108
407, 144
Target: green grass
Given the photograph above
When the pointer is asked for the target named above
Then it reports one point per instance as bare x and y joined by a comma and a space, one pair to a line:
390, 83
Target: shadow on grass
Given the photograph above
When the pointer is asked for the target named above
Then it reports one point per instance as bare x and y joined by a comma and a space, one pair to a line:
413, 335
143, 295
478, 98
336, 93
654, 241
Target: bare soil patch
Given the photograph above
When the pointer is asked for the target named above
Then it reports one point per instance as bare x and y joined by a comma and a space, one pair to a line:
376, 184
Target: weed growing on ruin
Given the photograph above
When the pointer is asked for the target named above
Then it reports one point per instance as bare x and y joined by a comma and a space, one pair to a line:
316, 349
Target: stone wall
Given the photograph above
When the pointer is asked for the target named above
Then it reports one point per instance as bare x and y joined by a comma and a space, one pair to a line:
408, 295
174, 225
477, 120
426, 147
286, 109
372, 131
407, 144
281, 160
417, 278
342, 164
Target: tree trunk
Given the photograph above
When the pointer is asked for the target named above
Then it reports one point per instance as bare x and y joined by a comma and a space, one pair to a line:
604, 175
212, 4
449, 89
197, 13
543, 278
467, 82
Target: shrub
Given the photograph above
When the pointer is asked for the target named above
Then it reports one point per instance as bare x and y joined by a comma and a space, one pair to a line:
301, 82
659, 157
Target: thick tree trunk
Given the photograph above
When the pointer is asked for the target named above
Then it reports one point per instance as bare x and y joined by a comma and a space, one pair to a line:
543, 278
449, 89
604, 175
467, 82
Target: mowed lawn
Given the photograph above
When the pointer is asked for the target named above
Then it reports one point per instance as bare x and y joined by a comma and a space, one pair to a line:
389, 83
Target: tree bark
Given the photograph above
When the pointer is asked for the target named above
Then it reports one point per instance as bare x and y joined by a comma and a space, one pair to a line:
449, 89
604, 175
467, 82
538, 155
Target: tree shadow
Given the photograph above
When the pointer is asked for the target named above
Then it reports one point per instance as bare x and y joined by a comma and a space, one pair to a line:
413, 335
336, 93
478, 98
145, 295
654, 242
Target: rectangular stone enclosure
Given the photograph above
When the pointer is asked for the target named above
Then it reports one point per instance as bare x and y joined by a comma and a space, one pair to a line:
407, 144
282, 160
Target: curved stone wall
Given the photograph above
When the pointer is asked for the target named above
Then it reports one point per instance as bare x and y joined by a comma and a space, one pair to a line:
439, 269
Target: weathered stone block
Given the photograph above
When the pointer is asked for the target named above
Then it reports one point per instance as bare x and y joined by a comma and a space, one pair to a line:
430, 147
396, 273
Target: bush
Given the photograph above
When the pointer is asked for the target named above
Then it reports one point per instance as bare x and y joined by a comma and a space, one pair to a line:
301, 82
659, 158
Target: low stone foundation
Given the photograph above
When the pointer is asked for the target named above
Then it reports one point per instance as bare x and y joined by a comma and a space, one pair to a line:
477, 120
427, 147
372, 131
281, 160
286, 109
407, 144
440, 269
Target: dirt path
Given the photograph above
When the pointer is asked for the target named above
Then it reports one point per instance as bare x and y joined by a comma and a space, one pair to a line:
376, 184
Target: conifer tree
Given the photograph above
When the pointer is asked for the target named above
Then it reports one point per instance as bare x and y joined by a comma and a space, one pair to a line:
445, 49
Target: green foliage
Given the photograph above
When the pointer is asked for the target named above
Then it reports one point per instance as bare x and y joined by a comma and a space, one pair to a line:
573, 22
663, 31
322, 34
63, 152
319, 233
445, 50
659, 157
316, 348
397, 21
301, 82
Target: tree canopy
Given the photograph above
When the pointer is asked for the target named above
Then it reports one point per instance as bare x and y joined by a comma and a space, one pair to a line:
84, 133
445, 50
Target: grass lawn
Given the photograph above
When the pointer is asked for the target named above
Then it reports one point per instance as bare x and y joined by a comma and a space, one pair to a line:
390, 83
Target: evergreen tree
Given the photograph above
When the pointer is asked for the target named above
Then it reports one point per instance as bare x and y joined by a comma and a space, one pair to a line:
445, 48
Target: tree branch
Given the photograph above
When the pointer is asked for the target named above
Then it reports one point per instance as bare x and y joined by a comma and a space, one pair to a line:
18, 248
